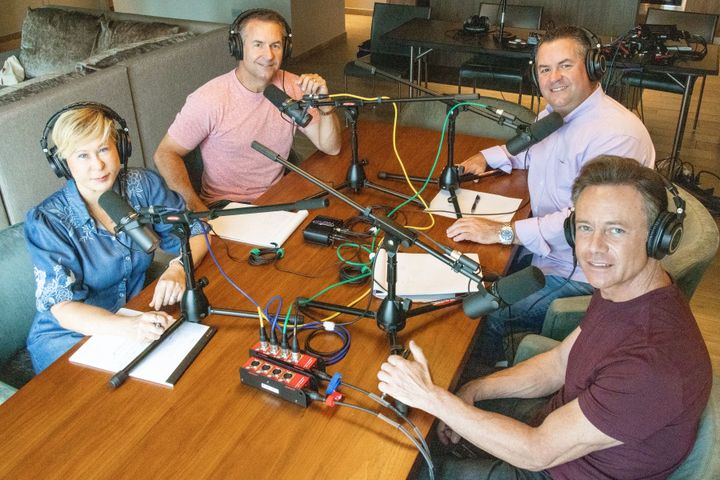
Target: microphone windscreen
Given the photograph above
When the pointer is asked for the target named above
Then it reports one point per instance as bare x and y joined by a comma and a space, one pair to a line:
312, 203
276, 96
519, 285
545, 126
115, 206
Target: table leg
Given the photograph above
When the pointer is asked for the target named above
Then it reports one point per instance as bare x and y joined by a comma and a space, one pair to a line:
682, 120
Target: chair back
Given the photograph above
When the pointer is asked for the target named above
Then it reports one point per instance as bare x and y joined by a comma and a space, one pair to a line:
697, 248
388, 16
17, 292
518, 16
703, 463
701, 24
432, 115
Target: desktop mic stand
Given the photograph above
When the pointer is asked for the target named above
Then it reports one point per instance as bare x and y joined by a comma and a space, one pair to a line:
393, 311
356, 179
452, 175
194, 305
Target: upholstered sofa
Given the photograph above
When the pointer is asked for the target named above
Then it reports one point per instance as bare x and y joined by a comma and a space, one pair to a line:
145, 82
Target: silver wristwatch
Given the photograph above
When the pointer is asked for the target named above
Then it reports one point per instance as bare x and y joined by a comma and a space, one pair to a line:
506, 234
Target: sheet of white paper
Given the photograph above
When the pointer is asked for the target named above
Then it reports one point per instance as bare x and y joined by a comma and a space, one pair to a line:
420, 277
261, 229
490, 206
112, 353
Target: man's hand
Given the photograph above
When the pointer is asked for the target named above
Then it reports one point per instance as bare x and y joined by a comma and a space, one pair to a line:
408, 381
479, 230
475, 164
312, 84
170, 286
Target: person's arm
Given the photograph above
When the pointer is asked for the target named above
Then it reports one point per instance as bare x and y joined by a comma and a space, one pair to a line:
564, 435
479, 230
92, 320
169, 161
325, 132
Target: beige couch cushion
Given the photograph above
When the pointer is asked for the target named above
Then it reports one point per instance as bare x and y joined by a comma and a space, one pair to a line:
54, 40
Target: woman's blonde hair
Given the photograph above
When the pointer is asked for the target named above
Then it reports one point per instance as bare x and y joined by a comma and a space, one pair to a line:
81, 125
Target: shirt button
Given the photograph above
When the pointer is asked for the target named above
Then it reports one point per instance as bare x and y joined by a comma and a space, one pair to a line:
127, 257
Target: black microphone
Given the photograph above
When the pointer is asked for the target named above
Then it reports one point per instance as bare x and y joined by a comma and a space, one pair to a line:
535, 133
505, 291
287, 105
128, 220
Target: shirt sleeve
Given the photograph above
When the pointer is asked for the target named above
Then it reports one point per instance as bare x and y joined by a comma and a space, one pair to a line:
194, 122
56, 266
633, 398
543, 235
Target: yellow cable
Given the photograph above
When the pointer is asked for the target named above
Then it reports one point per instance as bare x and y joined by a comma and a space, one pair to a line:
330, 317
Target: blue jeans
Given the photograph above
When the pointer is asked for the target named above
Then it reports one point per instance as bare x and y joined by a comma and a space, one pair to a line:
527, 315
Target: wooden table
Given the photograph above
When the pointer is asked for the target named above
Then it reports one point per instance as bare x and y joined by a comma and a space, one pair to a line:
67, 423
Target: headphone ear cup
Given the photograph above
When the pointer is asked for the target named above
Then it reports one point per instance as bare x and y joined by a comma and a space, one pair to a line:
287, 45
57, 164
664, 235
595, 65
124, 146
569, 227
235, 44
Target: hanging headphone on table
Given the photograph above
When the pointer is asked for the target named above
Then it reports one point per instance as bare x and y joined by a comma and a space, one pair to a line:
595, 62
235, 42
664, 234
58, 164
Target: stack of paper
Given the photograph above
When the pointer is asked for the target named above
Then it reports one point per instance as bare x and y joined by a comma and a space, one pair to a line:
493, 207
420, 277
266, 229
163, 365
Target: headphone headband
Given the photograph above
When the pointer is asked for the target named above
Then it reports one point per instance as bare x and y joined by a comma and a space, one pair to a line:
58, 164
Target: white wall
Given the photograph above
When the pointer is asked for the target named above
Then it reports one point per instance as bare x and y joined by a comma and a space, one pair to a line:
313, 22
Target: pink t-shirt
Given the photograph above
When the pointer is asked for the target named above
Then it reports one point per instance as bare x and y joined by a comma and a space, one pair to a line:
224, 118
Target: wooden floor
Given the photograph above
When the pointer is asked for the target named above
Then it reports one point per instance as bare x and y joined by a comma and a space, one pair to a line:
701, 147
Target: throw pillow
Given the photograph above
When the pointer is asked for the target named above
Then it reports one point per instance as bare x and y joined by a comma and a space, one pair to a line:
115, 33
54, 40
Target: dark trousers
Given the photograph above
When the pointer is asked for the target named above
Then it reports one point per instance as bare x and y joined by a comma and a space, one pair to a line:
464, 461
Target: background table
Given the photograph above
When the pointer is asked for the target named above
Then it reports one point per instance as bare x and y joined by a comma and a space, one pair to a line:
67, 422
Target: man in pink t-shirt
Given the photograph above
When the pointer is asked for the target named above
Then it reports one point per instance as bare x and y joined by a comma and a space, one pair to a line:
224, 116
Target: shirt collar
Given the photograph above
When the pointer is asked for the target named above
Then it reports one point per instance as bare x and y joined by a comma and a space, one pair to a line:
77, 204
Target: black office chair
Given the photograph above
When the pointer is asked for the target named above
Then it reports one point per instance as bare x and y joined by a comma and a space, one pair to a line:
493, 72
698, 24
385, 55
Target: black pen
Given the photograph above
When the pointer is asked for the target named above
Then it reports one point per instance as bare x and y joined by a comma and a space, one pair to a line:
475, 203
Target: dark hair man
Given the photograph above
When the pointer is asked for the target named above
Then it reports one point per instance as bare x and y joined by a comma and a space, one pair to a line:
629, 384
568, 71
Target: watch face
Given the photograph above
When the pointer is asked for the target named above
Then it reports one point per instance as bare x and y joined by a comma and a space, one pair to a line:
506, 235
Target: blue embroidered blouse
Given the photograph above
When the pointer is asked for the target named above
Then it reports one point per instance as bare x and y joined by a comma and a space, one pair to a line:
76, 259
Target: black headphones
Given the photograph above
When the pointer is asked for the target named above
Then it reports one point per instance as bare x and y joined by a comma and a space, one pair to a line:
476, 24
235, 40
58, 164
595, 63
664, 235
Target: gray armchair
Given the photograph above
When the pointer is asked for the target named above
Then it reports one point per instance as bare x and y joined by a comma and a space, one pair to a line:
687, 266
702, 463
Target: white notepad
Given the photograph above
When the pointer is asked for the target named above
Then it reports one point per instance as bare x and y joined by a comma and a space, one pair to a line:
261, 229
163, 365
493, 207
420, 277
